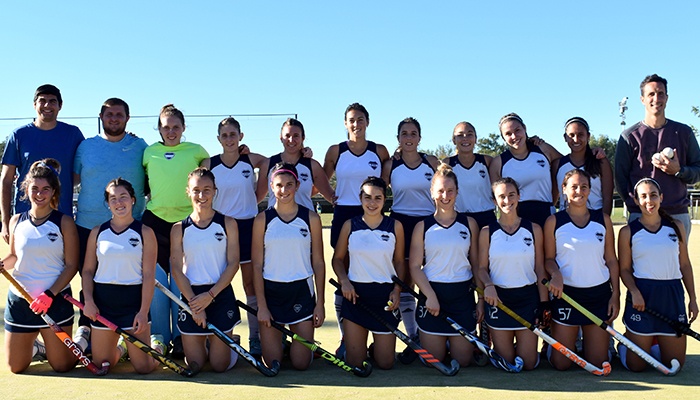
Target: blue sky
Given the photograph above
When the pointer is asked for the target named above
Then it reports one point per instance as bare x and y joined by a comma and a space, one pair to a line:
440, 62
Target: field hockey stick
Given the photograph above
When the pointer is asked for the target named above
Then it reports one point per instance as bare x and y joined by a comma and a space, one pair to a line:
328, 356
135, 341
496, 358
427, 357
58, 331
257, 364
675, 365
605, 371
680, 327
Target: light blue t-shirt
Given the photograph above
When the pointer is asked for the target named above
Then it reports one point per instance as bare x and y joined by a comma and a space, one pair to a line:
98, 161
28, 144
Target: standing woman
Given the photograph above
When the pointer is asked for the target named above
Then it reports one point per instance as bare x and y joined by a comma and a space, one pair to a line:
204, 259
472, 170
167, 166
236, 198
44, 255
287, 259
580, 257
654, 265
374, 246
576, 135
121, 289
352, 162
527, 164
312, 177
410, 179
511, 265
447, 241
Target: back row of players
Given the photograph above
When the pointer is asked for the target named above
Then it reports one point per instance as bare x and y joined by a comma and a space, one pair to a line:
368, 249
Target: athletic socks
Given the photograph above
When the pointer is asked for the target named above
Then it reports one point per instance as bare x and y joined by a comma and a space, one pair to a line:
82, 337
38, 351
253, 327
234, 359
408, 314
338, 306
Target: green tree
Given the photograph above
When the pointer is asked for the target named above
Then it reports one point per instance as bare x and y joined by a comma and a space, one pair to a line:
696, 111
606, 144
491, 145
442, 151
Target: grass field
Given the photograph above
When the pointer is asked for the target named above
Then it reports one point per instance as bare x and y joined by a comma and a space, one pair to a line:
324, 381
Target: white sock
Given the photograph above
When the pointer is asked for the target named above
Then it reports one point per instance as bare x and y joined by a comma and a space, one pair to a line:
234, 358
622, 352
253, 327
338, 306
408, 314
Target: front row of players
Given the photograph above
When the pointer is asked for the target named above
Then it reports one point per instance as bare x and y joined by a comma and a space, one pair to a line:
508, 258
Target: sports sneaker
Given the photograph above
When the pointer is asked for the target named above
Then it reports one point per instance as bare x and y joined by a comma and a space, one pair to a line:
82, 338
408, 356
255, 347
158, 344
177, 351
123, 351
39, 351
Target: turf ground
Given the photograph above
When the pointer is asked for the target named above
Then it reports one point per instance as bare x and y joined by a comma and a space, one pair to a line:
324, 381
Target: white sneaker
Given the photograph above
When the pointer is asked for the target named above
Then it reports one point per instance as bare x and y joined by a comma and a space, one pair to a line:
39, 351
82, 338
123, 351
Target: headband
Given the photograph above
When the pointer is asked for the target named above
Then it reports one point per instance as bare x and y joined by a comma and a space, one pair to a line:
647, 180
45, 165
282, 170
511, 116
579, 120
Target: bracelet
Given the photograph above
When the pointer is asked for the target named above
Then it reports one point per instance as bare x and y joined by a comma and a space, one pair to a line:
212, 295
480, 297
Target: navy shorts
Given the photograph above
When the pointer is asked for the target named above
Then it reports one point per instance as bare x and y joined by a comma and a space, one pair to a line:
535, 211
663, 296
340, 215
374, 296
482, 218
245, 238
19, 318
456, 301
223, 313
290, 302
523, 301
595, 299
409, 223
118, 303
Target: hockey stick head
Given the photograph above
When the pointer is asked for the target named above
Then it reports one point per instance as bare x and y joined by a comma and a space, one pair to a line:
454, 368
675, 367
273, 370
103, 370
506, 366
606, 369
365, 371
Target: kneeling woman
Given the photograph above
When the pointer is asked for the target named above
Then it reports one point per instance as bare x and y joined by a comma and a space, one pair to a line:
287, 257
204, 259
121, 288
375, 246
511, 263
654, 265
447, 242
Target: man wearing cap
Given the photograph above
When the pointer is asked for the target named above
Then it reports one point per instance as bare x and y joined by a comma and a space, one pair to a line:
44, 137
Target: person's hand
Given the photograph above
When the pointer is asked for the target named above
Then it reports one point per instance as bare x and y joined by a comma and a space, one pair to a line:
613, 308
394, 299
306, 152
692, 311
637, 300
544, 313
42, 302
670, 166
536, 140
598, 153
90, 310
5, 232
556, 285
433, 306
480, 310
348, 291
319, 314
490, 295
264, 317
200, 318
243, 149
140, 322
200, 302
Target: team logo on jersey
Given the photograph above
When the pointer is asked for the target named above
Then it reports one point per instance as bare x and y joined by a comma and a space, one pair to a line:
482, 173
304, 232
428, 175
681, 318
304, 176
527, 241
373, 164
219, 236
385, 237
246, 173
463, 234
540, 163
673, 237
134, 241
600, 236
297, 308
169, 155
230, 314
53, 236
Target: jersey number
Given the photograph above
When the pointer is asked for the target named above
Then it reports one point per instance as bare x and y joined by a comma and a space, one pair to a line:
422, 311
564, 313
494, 311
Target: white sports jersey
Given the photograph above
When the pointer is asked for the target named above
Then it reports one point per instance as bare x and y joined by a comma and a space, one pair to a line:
371, 251
533, 174
235, 185
287, 247
581, 250
120, 255
351, 170
447, 250
474, 193
595, 198
411, 188
655, 255
205, 250
39, 250
306, 182
512, 257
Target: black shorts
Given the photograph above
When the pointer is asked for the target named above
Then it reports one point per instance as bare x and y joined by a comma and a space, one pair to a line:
290, 302
19, 318
162, 229
456, 301
245, 238
408, 223
223, 313
663, 296
118, 303
536, 212
340, 215
523, 301
482, 218
374, 296
595, 299
83, 236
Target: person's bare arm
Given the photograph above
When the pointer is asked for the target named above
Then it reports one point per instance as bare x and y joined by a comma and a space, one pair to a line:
7, 178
